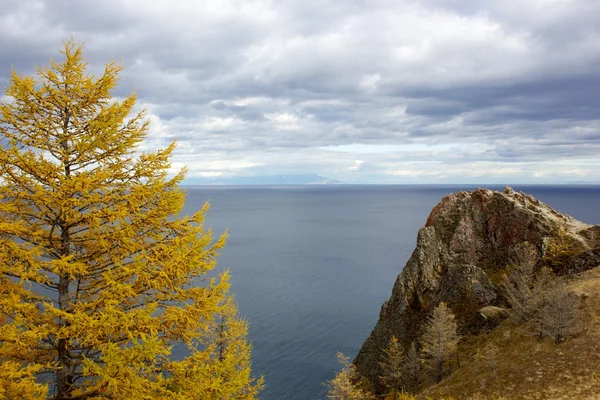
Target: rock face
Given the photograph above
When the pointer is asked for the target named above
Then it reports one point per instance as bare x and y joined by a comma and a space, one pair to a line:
467, 242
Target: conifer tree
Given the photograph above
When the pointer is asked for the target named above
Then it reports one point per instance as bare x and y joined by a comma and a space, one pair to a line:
345, 384
543, 301
225, 360
392, 374
526, 290
99, 278
558, 317
488, 356
519, 288
440, 340
412, 369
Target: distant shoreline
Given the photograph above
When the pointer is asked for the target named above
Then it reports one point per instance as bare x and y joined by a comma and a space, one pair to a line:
342, 184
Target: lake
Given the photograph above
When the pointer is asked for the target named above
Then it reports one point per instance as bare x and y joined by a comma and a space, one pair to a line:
311, 265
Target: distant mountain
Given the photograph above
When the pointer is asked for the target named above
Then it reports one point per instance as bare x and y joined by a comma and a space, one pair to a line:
306, 179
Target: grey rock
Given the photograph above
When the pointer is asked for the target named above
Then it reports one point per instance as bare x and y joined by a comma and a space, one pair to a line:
466, 244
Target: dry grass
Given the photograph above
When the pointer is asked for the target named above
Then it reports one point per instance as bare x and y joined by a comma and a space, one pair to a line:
528, 367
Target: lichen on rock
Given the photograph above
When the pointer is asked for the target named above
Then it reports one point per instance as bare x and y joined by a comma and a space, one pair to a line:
468, 241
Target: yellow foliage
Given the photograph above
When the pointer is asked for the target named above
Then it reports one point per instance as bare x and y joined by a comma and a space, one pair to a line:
17, 381
98, 277
345, 385
392, 373
395, 395
223, 366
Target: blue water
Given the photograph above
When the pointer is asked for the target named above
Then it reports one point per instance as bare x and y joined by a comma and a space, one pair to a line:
311, 265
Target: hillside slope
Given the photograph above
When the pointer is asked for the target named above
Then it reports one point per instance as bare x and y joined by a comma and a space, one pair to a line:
462, 253
526, 367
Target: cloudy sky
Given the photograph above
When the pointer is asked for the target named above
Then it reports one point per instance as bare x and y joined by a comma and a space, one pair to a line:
370, 91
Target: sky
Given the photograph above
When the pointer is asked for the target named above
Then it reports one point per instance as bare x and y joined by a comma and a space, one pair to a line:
360, 91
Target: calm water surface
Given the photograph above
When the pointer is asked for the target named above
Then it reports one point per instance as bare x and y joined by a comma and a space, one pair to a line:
311, 265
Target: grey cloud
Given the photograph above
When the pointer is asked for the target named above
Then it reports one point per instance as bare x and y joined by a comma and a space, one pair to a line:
241, 112
568, 97
260, 80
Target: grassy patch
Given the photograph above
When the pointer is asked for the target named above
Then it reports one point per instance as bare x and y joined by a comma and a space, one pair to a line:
526, 367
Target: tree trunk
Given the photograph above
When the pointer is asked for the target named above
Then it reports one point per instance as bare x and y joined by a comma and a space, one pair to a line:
64, 379
64, 375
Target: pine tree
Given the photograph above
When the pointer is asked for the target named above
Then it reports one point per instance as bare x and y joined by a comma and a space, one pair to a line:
99, 278
440, 340
345, 384
392, 374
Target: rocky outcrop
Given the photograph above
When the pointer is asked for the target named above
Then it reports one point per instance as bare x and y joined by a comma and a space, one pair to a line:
462, 251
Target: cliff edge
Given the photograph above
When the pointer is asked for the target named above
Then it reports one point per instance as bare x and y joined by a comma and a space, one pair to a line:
462, 252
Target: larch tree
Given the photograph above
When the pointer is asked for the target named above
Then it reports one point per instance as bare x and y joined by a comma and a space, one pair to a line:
412, 369
225, 360
543, 302
392, 371
488, 357
519, 287
345, 385
559, 317
440, 340
99, 277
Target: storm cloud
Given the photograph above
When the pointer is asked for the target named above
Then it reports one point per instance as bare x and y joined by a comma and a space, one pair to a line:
455, 91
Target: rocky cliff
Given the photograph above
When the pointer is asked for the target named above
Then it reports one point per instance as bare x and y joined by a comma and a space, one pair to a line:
462, 251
